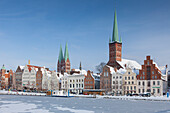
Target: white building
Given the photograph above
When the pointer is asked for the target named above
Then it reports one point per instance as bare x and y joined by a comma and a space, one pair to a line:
74, 83
29, 77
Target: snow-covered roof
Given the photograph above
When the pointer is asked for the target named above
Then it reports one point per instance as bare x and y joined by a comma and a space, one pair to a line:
163, 69
84, 72
112, 70
156, 65
130, 64
22, 67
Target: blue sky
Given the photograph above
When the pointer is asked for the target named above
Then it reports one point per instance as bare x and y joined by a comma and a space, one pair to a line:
34, 29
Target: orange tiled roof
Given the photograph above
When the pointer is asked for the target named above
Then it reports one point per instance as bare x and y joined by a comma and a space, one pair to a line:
30, 66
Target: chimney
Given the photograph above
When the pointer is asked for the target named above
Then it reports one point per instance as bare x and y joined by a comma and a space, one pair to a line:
28, 62
115, 69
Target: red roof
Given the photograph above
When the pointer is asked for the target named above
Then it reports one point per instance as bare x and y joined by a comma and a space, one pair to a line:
31, 66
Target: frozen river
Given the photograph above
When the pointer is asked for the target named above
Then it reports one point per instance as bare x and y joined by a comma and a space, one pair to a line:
38, 104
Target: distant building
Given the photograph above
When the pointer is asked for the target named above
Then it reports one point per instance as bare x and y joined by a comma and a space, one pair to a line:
18, 77
2, 76
151, 79
89, 81
63, 64
130, 82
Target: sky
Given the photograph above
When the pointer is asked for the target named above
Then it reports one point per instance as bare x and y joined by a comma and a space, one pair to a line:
34, 29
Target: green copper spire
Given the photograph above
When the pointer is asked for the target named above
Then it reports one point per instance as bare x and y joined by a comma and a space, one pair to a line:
120, 40
110, 40
60, 54
3, 67
66, 55
115, 37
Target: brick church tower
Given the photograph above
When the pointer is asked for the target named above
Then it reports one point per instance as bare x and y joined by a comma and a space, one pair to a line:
63, 64
115, 46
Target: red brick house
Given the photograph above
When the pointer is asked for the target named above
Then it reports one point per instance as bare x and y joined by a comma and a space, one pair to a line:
150, 79
39, 77
2, 76
89, 81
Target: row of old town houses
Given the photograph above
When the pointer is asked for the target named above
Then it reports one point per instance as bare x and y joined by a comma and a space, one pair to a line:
119, 76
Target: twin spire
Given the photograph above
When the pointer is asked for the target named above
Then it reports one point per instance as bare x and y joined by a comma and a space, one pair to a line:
66, 55
115, 36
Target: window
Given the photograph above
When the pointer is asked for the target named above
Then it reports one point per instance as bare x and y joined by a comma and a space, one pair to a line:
132, 82
125, 82
128, 82
70, 86
77, 85
116, 77
158, 83
143, 83
128, 78
73, 85
143, 77
129, 73
152, 72
131, 87
143, 90
153, 82
158, 91
127, 87
125, 78
113, 82
132, 78
124, 88
120, 77
134, 87
140, 77
120, 82
139, 83
153, 90
70, 80
148, 62
155, 77
143, 73
82, 85
149, 84
113, 77
152, 77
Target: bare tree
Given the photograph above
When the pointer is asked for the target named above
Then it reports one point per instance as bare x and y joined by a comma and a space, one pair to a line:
99, 67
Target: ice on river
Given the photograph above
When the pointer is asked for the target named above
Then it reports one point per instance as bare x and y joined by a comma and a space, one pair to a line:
35, 104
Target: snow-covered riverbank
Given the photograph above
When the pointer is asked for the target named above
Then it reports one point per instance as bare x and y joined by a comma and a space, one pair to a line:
2, 92
163, 98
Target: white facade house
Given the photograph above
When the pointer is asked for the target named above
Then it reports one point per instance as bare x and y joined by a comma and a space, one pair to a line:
130, 82
29, 77
74, 83
53, 81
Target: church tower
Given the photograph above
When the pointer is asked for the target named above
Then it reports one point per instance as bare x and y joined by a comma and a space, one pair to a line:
115, 46
63, 64
60, 60
66, 60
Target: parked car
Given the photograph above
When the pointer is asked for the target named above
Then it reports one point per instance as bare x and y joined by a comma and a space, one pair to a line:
129, 94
